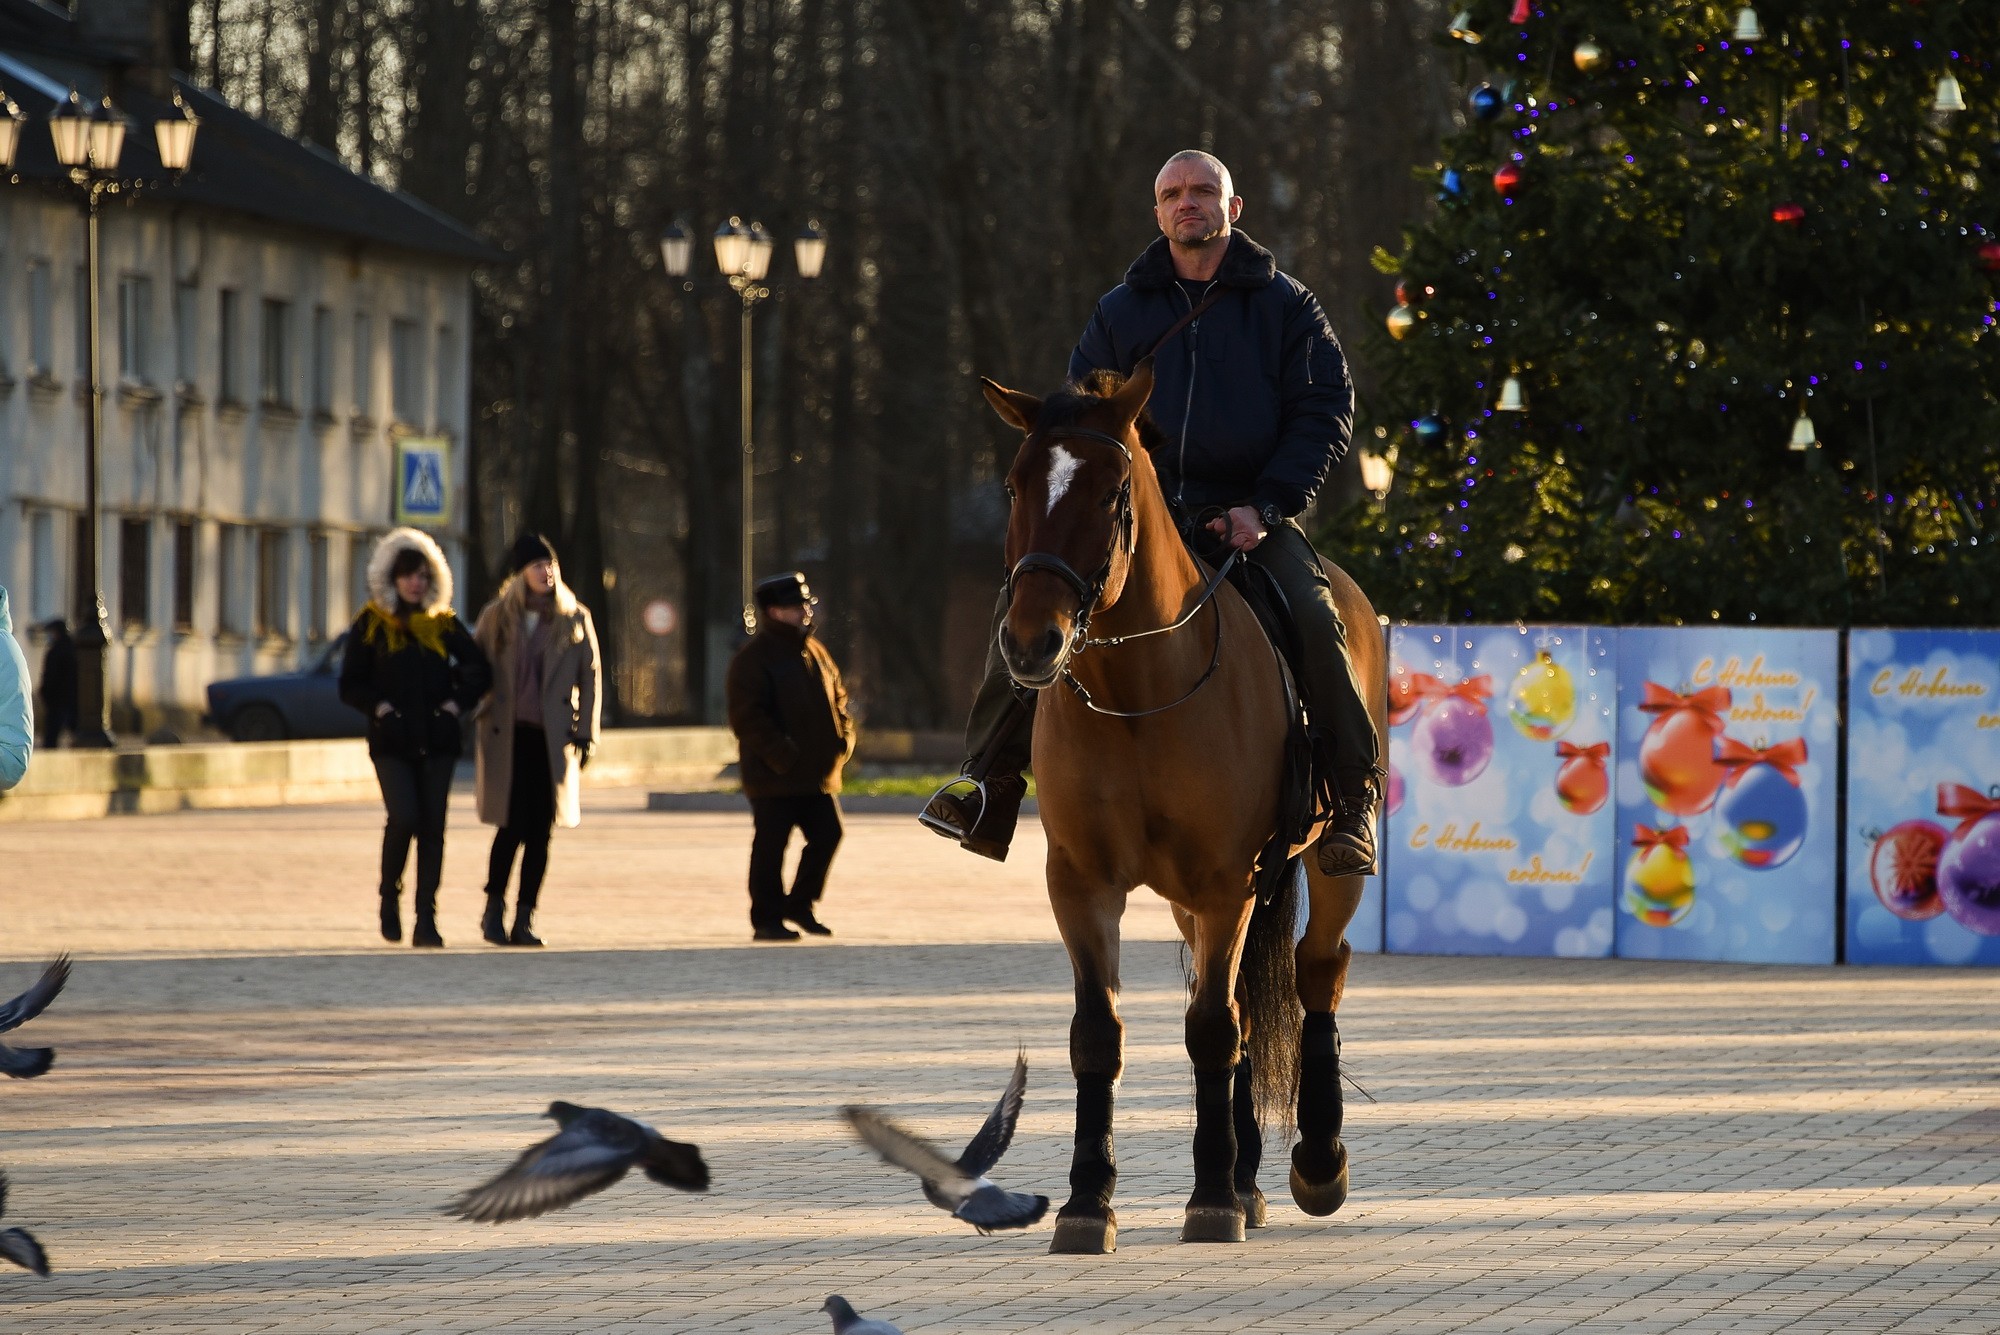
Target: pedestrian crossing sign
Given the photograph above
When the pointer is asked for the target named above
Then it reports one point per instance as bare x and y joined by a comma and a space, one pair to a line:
422, 487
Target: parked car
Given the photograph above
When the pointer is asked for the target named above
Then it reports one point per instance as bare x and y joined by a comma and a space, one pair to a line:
285, 705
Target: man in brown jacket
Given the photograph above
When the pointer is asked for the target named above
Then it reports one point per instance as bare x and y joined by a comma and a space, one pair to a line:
788, 710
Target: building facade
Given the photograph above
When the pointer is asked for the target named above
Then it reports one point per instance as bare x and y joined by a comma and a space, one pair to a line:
258, 369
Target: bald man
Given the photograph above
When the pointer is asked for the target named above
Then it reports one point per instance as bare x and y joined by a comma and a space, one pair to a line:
1253, 399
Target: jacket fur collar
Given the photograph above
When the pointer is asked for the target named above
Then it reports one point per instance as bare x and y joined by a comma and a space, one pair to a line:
382, 590
1244, 264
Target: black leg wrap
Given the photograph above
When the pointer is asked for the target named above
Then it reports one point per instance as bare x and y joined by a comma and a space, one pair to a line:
1214, 1139
1249, 1136
1319, 1160
1093, 1171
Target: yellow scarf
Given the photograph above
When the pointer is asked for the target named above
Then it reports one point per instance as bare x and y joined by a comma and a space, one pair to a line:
426, 628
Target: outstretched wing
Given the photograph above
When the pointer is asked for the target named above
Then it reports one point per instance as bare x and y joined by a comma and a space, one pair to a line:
990, 1209
19, 1246
25, 1063
559, 1171
37, 998
912, 1154
998, 1133
674, 1164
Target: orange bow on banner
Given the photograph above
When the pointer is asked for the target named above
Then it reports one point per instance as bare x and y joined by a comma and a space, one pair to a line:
1968, 804
1645, 836
1475, 691
1785, 757
1597, 751
1657, 699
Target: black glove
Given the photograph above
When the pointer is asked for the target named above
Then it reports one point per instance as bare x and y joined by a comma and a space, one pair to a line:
584, 746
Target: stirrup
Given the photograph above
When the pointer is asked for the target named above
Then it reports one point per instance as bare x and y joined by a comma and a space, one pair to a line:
925, 818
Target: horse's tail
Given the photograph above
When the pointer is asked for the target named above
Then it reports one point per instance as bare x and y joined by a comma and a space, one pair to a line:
1271, 992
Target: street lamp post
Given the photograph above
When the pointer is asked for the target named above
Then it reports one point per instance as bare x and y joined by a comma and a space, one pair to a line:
89, 142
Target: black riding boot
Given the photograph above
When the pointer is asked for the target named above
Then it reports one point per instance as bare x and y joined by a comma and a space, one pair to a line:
493, 926
983, 817
1347, 847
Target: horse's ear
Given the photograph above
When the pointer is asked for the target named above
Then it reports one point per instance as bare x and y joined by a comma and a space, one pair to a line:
1014, 407
1130, 400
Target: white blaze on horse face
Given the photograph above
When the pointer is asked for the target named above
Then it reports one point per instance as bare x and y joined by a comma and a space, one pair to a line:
1062, 472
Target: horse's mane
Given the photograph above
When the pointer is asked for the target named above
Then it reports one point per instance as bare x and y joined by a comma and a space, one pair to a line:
1078, 397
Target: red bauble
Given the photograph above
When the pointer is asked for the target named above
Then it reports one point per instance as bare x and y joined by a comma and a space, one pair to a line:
1402, 294
1508, 179
1903, 869
1582, 784
1405, 694
1989, 256
1789, 214
1677, 754
1521, 13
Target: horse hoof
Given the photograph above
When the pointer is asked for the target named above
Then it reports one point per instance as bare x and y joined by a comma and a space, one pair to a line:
1256, 1211
1208, 1223
1320, 1199
1085, 1235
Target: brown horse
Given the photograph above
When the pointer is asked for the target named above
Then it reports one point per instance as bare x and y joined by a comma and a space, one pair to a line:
1158, 760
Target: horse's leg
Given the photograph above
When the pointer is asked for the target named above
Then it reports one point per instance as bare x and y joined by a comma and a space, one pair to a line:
1215, 1046
1249, 1147
1088, 919
1319, 1160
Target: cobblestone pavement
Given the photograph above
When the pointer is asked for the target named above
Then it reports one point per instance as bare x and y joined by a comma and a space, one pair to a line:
257, 1110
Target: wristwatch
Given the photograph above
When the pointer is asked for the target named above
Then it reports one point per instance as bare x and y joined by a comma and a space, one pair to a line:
1272, 516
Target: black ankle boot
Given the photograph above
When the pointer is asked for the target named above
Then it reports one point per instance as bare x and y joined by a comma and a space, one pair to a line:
1347, 845
424, 932
985, 827
493, 926
524, 919
392, 916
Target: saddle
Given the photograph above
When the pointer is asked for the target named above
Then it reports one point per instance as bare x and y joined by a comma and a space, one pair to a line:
1306, 794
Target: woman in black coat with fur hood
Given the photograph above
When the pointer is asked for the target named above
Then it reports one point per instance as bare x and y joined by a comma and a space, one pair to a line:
415, 671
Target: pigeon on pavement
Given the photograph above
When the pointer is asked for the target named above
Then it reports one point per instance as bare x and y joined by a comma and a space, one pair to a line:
593, 1150
847, 1321
960, 1187
26, 1063
17, 1244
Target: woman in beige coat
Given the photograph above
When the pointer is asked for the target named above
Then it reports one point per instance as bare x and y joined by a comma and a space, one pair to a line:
536, 729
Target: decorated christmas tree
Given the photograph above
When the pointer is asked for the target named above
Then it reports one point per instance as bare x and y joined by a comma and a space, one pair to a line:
1703, 325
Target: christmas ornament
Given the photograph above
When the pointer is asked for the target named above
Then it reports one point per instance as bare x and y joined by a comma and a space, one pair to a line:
1789, 214
1454, 738
1949, 96
1429, 429
1762, 807
1677, 754
1401, 321
1804, 434
1903, 869
1968, 871
1589, 56
1989, 256
1406, 693
1659, 879
1542, 700
1451, 185
1461, 28
1507, 180
1520, 15
1395, 798
1403, 293
1748, 29
1511, 398
1484, 101
1581, 783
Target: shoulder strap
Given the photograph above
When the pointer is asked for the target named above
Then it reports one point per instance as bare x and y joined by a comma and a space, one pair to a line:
1214, 295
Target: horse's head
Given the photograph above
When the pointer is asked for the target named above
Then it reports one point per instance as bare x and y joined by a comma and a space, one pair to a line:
1072, 530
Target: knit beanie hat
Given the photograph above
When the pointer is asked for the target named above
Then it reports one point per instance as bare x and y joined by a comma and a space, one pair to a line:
528, 549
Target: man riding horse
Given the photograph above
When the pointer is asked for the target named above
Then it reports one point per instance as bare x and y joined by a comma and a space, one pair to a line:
1253, 401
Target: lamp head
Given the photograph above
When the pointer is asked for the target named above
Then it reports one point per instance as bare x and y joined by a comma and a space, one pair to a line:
732, 248
761, 245
69, 128
809, 249
11, 121
107, 137
175, 136
676, 250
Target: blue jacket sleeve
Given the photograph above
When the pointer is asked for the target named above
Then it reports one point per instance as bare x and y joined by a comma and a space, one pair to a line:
1316, 418
1094, 351
17, 713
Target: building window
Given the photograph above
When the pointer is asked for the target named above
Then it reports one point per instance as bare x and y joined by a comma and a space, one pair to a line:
230, 569
447, 376
187, 334
229, 351
316, 587
82, 304
184, 537
41, 321
359, 548
135, 329
273, 581
407, 368
364, 367
275, 379
46, 572
135, 568
322, 361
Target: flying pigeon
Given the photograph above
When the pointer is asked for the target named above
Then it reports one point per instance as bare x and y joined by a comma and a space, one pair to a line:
961, 1187
847, 1321
26, 1063
593, 1150
17, 1244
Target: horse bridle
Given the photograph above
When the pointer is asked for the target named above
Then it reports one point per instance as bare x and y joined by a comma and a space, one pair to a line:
1125, 534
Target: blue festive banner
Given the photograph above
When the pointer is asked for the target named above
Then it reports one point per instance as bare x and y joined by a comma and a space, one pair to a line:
1923, 797
1500, 831
1727, 794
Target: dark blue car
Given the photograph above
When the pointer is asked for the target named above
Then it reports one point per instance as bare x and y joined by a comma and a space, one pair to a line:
287, 704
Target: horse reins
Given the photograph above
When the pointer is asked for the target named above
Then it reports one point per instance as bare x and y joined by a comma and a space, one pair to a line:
1126, 534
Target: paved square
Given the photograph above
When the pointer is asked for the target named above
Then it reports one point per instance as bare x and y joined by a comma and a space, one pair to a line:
258, 1109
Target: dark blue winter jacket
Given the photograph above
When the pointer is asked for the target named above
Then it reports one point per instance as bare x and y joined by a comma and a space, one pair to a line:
1253, 398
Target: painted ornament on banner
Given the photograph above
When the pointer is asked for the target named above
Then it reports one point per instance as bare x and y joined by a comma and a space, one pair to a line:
1582, 785
1677, 754
1968, 871
1903, 867
1659, 878
1453, 739
1761, 812
1542, 701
